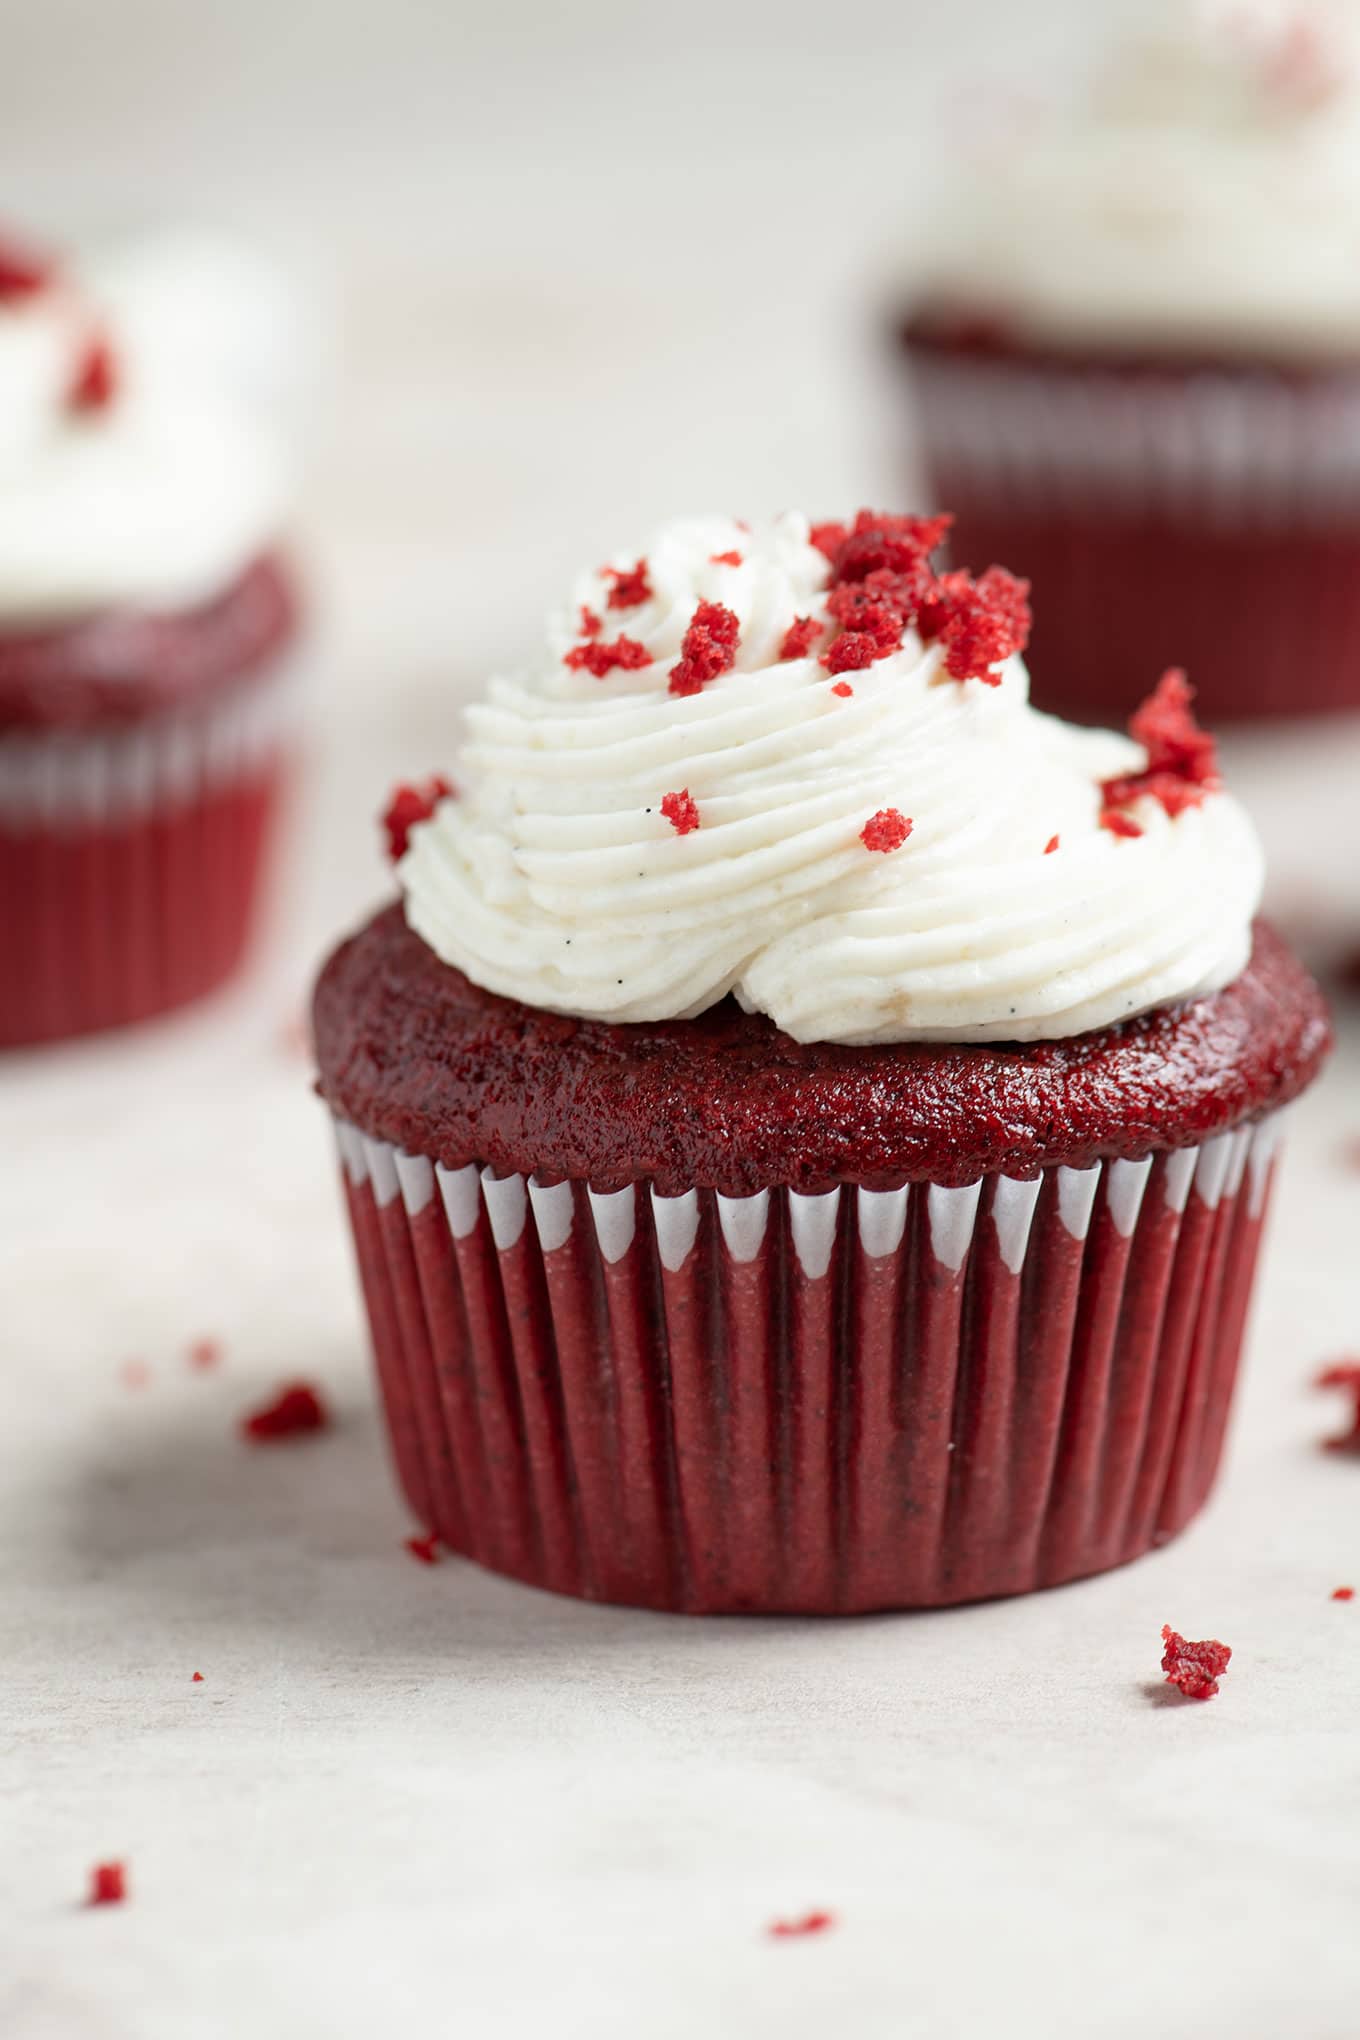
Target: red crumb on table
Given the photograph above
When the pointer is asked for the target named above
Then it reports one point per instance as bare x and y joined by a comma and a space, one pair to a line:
844, 689
810, 1923
205, 1354
631, 587
727, 559
22, 273
681, 811
1182, 758
412, 803
95, 383
707, 649
887, 830
108, 1884
1119, 824
591, 624
1343, 1593
801, 635
135, 1373
426, 1549
197, 1679
1345, 1375
1050, 846
296, 1410
1195, 1667
599, 657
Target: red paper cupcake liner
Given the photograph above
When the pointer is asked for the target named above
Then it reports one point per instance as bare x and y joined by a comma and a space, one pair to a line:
810, 1404
130, 860
1205, 519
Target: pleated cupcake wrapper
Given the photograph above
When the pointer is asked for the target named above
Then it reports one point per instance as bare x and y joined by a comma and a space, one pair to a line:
129, 858
861, 1399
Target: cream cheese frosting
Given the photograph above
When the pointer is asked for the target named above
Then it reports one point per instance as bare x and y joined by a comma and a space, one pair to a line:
1205, 193
159, 497
555, 877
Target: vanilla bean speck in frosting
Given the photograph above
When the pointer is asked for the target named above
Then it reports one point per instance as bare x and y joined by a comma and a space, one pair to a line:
808, 774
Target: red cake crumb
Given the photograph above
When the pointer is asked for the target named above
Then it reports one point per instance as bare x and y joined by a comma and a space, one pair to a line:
1050, 846
1195, 1667
1119, 824
851, 652
878, 542
828, 538
22, 274
411, 804
727, 559
591, 624
844, 689
205, 1354
426, 1549
631, 587
801, 635
810, 1923
1345, 1375
1343, 1593
95, 384
887, 830
600, 658
197, 1679
1182, 758
707, 649
295, 1410
981, 622
681, 811
108, 1884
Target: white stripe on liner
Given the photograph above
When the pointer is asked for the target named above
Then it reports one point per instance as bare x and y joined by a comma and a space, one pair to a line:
882, 1216
1212, 1172
382, 1169
506, 1206
351, 1145
1013, 1205
615, 1213
1125, 1183
554, 1210
743, 1221
676, 1220
416, 1177
812, 1222
1237, 1160
953, 1214
1076, 1198
460, 1191
1180, 1169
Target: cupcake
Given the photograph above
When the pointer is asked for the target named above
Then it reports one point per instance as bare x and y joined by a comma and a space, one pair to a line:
807, 1123
147, 632
1134, 350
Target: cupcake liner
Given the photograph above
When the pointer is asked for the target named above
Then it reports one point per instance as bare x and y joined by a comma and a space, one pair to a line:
130, 858
1195, 518
812, 1404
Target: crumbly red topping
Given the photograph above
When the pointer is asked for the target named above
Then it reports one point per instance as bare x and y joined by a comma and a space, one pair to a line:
600, 658
591, 624
727, 559
22, 273
681, 811
1345, 1375
1051, 845
1195, 1667
205, 1354
631, 587
707, 649
810, 1923
1119, 824
411, 804
878, 542
295, 1410
887, 830
882, 582
95, 383
801, 635
844, 689
108, 1884
981, 622
426, 1549
197, 1679
1182, 760
1343, 1593
828, 538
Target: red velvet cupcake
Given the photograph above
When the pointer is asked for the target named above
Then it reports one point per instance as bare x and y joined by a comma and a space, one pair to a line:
1135, 363
808, 1127
147, 632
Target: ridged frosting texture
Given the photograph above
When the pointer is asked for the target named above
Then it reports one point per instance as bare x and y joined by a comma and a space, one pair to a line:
158, 497
1204, 193
554, 877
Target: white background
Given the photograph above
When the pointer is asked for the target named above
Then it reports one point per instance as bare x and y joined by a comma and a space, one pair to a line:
583, 266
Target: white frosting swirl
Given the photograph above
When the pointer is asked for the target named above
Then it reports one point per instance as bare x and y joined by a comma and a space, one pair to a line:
555, 878
159, 497
1205, 194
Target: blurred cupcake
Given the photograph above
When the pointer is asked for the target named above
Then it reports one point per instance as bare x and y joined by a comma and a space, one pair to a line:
807, 1127
1135, 354
147, 631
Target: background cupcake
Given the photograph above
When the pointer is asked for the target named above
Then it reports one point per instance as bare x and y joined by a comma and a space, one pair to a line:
807, 1133
1135, 354
147, 631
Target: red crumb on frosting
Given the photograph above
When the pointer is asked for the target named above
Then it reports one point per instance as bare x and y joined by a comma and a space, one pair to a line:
600, 658
828, 538
1182, 760
1118, 824
296, 1410
631, 587
591, 624
411, 804
108, 1884
681, 811
887, 830
844, 689
1050, 846
878, 542
810, 1923
727, 559
801, 635
22, 273
708, 648
205, 1354
980, 622
1195, 1667
1343, 1593
197, 1679
426, 1549
1345, 1375
95, 383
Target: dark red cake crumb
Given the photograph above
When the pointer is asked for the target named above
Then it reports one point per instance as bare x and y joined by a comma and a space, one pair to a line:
631, 587
681, 811
411, 804
981, 622
1195, 1667
844, 689
296, 1410
600, 658
1343, 1593
801, 635
810, 1923
108, 1884
1119, 824
591, 624
197, 1679
426, 1549
205, 1354
707, 649
1345, 1375
1182, 758
879, 542
727, 559
828, 538
887, 830
95, 383
22, 274
1050, 846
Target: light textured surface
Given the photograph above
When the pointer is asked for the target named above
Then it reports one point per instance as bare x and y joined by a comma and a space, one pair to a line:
421, 1800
